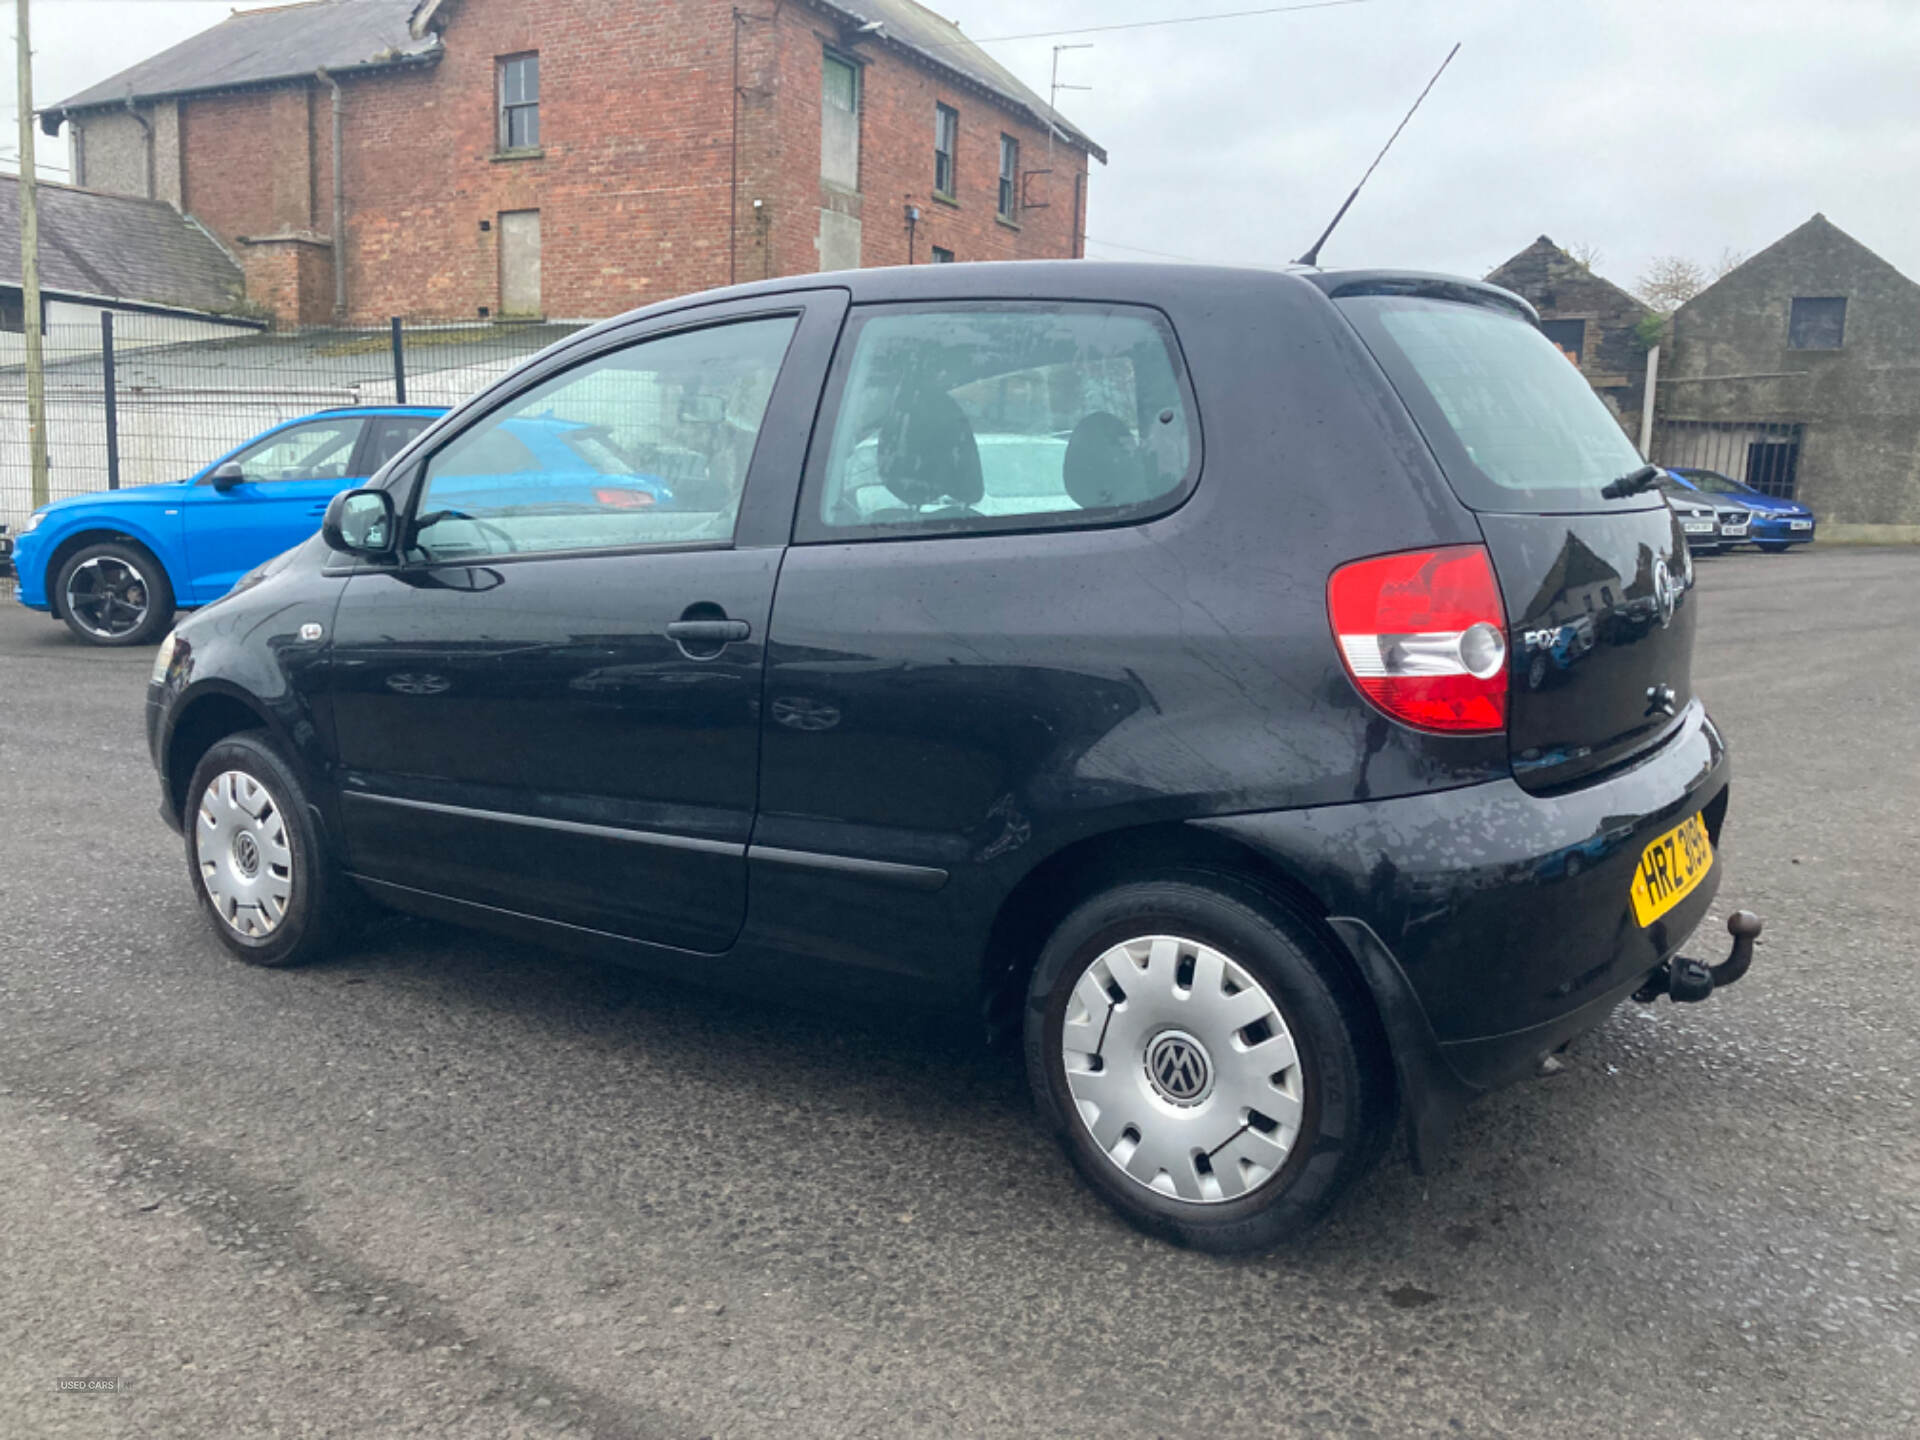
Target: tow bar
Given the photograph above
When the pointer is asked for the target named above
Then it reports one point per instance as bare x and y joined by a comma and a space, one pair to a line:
1683, 981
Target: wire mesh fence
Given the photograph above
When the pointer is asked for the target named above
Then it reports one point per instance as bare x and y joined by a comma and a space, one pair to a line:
145, 399
1764, 454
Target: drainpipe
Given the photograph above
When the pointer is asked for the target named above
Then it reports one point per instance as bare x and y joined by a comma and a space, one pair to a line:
339, 206
147, 130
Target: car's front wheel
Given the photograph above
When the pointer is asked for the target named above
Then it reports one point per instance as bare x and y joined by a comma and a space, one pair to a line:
1211, 1071
114, 594
258, 864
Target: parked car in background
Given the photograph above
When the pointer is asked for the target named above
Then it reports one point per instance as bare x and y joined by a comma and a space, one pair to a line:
982, 656
1777, 524
116, 564
1699, 520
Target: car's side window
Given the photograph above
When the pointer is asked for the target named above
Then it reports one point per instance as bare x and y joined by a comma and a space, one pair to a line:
974, 417
386, 436
319, 450
646, 445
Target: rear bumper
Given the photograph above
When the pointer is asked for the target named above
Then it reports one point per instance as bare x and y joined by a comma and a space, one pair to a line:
1493, 924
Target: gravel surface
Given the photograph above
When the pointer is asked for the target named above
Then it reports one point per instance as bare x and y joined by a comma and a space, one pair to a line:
447, 1185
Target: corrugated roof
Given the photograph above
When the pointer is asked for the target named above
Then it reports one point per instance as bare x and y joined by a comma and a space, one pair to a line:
119, 247
254, 47
937, 40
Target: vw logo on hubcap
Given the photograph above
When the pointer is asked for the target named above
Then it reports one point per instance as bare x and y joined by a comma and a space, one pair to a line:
246, 855
1177, 1065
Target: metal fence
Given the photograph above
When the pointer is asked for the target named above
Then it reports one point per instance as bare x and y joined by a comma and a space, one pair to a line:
136, 399
1762, 453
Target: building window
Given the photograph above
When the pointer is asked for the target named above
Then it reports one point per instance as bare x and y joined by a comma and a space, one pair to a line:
1568, 336
1816, 324
13, 311
946, 137
1009, 176
840, 122
942, 257
520, 102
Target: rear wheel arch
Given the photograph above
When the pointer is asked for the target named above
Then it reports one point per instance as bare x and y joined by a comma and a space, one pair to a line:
1054, 887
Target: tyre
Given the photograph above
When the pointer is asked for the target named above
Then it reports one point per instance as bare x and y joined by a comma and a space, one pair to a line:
114, 594
1213, 1074
256, 859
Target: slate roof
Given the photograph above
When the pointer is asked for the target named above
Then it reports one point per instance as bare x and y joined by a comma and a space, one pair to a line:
254, 47
118, 247
934, 39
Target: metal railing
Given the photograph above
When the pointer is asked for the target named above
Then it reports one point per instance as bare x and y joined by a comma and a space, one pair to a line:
136, 399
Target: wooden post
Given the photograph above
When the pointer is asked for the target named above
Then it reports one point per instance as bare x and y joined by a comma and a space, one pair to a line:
30, 271
1646, 402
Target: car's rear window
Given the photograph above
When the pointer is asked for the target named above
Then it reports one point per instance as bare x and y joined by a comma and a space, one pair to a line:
1513, 423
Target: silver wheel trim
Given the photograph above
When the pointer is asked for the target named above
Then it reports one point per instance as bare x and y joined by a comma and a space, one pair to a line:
107, 596
244, 855
1151, 1002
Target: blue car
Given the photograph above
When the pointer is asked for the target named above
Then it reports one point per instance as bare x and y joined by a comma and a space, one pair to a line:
115, 565
1776, 523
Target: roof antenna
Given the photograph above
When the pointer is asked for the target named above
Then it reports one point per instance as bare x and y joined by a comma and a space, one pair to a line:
1312, 257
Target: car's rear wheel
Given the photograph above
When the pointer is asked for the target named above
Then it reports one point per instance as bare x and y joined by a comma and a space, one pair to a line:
259, 867
1211, 1071
114, 594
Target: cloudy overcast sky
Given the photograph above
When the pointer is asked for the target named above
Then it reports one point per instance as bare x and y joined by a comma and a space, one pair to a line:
1638, 127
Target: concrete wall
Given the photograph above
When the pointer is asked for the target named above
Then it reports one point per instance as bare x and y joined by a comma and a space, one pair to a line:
1860, 454
110, 153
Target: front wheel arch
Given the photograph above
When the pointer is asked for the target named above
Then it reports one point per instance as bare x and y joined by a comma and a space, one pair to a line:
80, 540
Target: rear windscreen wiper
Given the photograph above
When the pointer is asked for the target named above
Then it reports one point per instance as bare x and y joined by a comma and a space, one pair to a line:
1632, 483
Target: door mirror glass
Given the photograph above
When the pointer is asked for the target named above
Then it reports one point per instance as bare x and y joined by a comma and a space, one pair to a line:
227, 476
359, 522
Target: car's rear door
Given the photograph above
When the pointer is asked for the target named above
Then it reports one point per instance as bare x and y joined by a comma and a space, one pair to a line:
550, 706
288, 477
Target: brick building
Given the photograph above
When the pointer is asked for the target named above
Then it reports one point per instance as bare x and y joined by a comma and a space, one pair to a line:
579, 157
1593, 321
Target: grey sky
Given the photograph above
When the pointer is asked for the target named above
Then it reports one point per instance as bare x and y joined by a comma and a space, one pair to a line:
1642, 127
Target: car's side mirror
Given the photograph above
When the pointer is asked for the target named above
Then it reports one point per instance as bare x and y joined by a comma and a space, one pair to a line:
227, 476
359, 522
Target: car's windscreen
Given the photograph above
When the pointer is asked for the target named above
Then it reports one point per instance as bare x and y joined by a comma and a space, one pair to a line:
1513, 423
1714, 483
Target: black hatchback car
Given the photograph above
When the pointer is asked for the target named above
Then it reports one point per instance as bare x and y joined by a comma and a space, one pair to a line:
1256, 691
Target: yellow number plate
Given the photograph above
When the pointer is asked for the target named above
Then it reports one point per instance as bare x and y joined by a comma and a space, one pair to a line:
1671, 868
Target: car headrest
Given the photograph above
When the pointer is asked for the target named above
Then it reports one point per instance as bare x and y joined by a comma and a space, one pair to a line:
925, 452
1104, 466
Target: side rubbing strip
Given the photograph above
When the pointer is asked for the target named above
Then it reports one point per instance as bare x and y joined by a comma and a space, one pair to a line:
885, 872
569, 827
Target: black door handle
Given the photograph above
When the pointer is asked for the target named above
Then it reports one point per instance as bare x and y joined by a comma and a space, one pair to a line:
708, 632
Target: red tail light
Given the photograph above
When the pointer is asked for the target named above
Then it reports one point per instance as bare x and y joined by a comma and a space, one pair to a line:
622, 498
1424, 636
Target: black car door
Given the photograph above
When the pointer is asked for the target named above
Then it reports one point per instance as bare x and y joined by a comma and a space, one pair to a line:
549, 704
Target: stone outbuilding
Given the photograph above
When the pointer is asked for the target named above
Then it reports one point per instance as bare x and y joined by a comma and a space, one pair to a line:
1799, 372
1595, 323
